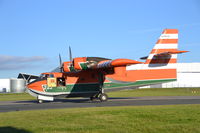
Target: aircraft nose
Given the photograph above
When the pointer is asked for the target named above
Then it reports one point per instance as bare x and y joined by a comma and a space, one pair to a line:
35, 85
29, 86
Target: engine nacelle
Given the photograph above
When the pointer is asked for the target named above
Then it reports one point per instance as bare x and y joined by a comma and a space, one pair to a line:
67, 67
80, 63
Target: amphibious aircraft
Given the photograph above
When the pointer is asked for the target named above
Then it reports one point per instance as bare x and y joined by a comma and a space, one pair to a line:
90, 76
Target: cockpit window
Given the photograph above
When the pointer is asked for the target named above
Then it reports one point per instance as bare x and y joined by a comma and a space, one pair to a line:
43, 76
51, 76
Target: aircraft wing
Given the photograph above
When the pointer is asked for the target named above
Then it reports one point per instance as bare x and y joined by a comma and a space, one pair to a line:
87, 63
27, 77
116, 63
170, 52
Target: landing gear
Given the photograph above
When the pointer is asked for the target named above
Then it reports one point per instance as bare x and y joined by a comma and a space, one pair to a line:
95, 97
92, 98
103, 97
40, 101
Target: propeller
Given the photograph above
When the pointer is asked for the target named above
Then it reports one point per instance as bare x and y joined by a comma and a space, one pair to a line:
60, 59
70, 54
61, 65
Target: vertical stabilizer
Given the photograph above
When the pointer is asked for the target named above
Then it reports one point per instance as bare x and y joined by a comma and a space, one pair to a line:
166, 44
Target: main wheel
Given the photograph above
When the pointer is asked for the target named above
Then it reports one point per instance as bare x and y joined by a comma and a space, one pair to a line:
92, 98
103, 97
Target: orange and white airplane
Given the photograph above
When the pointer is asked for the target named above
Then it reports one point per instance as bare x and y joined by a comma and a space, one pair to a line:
90, 76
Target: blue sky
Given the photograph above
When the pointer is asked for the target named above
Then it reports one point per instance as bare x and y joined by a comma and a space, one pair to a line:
34, 32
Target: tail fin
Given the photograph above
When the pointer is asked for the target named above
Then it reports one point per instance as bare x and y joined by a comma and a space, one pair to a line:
167, 43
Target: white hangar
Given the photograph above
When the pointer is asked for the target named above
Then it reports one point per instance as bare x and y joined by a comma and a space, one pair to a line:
188, 75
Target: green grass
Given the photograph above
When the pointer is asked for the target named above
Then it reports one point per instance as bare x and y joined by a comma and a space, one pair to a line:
15, 96
123, 93
138, 119
156, 92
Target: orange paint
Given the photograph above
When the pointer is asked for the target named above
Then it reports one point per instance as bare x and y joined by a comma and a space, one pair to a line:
77, 61
124, 62
170, 31
134, 75
66, 66
167, 41
157, 51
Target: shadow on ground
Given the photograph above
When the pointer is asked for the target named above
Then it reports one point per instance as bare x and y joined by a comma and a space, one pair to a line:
76, 100
9, 129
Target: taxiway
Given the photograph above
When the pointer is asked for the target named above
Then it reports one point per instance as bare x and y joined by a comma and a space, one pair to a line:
7, 106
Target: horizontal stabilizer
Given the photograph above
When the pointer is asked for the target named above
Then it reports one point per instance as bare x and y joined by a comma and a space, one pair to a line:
170, 52
144, 58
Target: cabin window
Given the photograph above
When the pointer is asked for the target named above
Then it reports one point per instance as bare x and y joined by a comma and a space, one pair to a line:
61, 81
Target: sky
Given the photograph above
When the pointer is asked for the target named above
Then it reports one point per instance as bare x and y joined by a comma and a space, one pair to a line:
34, 32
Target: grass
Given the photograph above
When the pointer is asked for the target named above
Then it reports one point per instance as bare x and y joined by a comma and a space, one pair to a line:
15, 96
156, 92
138, 119
123, 93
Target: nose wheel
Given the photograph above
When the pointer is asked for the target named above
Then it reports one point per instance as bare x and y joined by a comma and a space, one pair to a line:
40, 101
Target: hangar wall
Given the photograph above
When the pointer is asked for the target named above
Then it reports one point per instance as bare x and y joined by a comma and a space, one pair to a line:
12, 85
188, 75
4, 85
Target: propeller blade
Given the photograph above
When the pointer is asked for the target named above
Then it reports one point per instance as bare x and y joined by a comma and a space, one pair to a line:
60, 59
70, 54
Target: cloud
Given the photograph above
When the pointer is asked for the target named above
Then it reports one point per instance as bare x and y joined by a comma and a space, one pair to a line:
8, 62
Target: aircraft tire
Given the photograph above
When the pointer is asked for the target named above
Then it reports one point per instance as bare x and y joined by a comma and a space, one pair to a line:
103, 97
40, 101
92, 98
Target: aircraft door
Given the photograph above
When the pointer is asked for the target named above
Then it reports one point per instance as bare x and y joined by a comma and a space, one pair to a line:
61, 81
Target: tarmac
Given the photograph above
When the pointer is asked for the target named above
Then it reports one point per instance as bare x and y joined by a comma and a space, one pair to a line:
8, 106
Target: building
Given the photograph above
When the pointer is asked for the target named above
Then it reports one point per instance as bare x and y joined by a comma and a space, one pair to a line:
13, 85
4, 85
188, 75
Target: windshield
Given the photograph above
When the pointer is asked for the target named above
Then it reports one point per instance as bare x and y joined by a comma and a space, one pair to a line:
51, 76
44, 76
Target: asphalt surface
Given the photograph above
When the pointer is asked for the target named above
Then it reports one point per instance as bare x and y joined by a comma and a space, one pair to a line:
8, 106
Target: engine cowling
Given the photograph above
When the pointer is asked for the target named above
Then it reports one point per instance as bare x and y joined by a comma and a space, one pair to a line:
67, 67
80, 63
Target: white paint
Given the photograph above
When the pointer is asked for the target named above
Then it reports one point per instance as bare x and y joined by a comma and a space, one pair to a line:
169, 36
166, 46
188, 75
151, 66
46, 98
